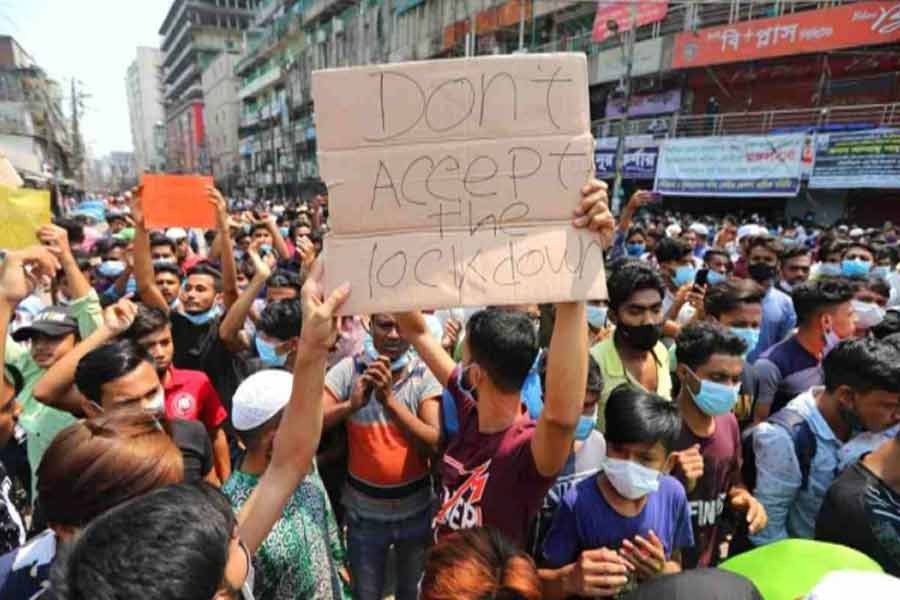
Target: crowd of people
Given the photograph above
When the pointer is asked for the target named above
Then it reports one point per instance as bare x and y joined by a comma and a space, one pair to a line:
184, 416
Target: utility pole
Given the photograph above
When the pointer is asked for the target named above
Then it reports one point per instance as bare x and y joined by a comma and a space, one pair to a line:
77, 147
522, 25
628, 39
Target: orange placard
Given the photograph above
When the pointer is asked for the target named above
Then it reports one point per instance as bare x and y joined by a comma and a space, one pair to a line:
857, 24
177, 201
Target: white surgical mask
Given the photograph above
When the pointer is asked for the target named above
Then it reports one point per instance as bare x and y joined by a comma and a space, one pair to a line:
631, 479
868, 314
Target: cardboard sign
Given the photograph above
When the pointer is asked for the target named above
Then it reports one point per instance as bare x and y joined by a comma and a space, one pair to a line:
177, 201
22, 212
452, 182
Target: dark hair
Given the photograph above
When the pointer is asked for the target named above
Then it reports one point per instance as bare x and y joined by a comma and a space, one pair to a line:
858, 244
635, 416
95, 464
889, 325
165, 267
595, 376
875, 284
107, 363
636, 230
698, 341
812, 297
717, 252
765, 241
793, 252
669, 249
170, 543
281, 319
632, 277
159, 239
149, 319
478, 564
204, 268
863, 364
74, 229
883, 251
282, 278
504, 344
730, 295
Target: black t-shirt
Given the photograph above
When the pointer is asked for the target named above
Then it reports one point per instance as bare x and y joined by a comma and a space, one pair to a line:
196, 450
862, 512
200, 348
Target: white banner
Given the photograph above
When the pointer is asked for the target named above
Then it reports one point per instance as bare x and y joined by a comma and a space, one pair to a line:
768, 165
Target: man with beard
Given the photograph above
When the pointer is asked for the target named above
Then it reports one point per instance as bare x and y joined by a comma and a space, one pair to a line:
634, 355
389, 402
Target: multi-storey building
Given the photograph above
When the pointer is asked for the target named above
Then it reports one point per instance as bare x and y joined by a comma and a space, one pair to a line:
143, 87
222, 115
194, 32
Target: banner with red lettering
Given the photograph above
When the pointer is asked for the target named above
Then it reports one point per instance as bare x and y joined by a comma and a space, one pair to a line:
646, 12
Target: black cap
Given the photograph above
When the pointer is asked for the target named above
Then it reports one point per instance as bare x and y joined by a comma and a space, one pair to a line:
55, 321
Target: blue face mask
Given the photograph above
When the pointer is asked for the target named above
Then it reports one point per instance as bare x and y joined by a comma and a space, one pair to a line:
881, 271
265, 248
584, 428
596, 316
855, 268
749, 335
714, 277
684, 274
268, 355
284, 231
204, 317
636, 249
715, 399
238, 254
398, 363
830, 269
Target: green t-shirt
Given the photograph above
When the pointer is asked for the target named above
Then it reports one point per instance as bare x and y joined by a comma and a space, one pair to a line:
43, 422
789, 569
303, 555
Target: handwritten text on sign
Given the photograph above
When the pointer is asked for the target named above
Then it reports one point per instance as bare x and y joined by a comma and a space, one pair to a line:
453, 182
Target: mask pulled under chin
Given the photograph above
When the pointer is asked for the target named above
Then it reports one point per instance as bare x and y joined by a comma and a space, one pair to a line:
204, 317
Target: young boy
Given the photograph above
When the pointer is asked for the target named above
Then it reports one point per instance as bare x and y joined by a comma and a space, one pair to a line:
629, 522
707, 454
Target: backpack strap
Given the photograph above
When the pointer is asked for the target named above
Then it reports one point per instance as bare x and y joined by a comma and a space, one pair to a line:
804, 439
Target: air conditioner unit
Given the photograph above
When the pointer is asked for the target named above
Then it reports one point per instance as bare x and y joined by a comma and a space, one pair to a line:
338, 26
321, 36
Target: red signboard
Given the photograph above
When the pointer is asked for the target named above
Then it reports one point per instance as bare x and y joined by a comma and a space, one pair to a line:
646, 12
859, 24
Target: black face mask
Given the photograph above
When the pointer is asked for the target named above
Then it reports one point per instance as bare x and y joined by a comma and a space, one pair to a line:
761, 272
640, 337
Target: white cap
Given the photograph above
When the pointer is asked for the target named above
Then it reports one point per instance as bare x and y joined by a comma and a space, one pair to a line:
751, 230
259, 398
673, 230
856, 232
176, 233
840, 585
699, 229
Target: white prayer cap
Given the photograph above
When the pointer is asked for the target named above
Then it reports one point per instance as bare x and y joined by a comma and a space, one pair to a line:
751, 230
840, 585
176, 233
699, 229
856, 232
673, 230
260, 397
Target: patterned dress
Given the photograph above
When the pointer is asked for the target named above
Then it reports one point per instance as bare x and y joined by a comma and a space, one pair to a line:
303, 555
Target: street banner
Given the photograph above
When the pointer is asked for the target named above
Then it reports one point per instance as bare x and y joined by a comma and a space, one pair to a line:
452, 182
641, 155
177, 201
22, 211
648, 11
849, 25
860, 159
743, 165
645, 105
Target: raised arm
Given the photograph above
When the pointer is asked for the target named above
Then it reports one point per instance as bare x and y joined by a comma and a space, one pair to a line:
567, 358
57, 238
233, 323
413, 329
226, 245
301, 425
144, 275
56, 387
278, 242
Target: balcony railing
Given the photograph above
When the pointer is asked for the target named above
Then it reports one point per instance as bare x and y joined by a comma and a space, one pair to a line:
762, 122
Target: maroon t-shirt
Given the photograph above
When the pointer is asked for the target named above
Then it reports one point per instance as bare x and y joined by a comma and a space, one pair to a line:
721, 470
489, 479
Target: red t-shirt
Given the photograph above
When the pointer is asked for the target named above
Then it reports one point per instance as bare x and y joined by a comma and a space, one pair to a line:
190, 396
489, 479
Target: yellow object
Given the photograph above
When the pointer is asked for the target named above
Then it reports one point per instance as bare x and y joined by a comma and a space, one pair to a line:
22, 211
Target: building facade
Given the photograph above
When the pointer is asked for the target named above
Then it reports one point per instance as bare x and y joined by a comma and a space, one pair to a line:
193, 33
34, 133
144, 86
222, 115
